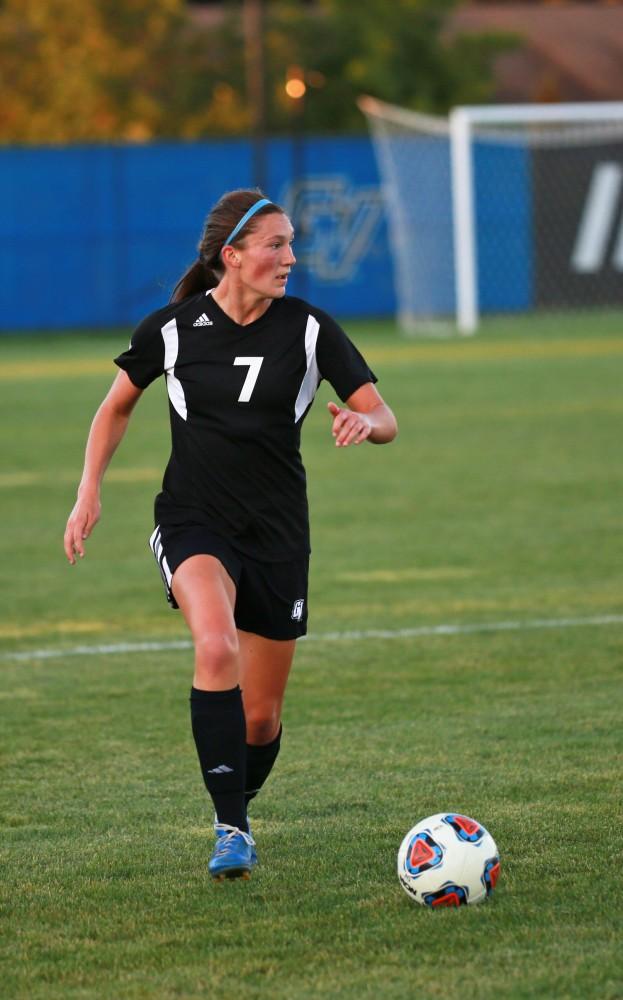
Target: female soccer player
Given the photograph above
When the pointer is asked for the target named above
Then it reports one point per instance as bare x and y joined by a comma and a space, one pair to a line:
242, 363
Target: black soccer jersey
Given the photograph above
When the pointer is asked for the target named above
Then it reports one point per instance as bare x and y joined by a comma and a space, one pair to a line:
238, 396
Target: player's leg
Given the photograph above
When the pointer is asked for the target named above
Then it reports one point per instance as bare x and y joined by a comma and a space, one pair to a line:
271, 613
264, 670
206, 595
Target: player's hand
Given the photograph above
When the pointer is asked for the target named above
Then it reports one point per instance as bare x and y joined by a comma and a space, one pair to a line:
348, 427
80, 524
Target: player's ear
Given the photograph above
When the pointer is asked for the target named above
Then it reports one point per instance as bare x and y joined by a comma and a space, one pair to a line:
231, 256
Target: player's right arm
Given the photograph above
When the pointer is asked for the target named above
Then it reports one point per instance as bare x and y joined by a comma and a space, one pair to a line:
108, 427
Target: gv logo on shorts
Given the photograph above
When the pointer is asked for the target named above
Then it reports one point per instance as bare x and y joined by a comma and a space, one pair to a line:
297, 610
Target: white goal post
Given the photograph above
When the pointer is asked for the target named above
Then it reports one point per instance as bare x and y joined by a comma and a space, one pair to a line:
492, 188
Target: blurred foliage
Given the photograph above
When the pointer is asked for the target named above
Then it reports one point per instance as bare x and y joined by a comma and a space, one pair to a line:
395, 51
102, 70
98, 70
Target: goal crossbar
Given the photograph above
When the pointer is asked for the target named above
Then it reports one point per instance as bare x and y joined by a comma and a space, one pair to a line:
463, 125
462, 122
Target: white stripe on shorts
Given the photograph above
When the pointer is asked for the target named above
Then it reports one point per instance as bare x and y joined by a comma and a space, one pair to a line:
155, 544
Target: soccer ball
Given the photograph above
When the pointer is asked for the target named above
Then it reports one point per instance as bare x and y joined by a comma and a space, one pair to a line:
448, 860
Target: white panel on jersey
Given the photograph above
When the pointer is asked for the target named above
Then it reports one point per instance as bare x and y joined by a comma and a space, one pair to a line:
311, 379
174, 386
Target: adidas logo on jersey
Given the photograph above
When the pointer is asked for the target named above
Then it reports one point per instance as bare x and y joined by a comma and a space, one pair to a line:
203, 320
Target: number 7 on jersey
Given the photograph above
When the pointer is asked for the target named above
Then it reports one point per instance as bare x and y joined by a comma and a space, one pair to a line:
254, 365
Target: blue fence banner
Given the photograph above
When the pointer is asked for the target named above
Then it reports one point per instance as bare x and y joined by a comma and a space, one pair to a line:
97, 236
504, 231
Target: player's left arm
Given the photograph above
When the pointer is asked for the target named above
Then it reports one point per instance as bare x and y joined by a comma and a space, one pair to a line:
368, 418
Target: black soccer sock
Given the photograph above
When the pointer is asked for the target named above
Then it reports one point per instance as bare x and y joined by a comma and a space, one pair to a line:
260, 761
220, 733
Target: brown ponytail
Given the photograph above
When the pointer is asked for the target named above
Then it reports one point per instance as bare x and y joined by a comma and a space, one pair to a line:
207, 270
197, 278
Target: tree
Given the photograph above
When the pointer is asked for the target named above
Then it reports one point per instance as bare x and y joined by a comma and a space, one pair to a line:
135, 70
108, 70
396, 51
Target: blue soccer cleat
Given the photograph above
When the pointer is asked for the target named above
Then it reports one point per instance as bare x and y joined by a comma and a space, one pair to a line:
220, 829
234, 853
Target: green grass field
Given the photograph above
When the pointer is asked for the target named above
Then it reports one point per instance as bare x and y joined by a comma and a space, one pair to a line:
499, 503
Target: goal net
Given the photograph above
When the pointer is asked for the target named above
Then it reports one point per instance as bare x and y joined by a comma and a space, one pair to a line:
501, 209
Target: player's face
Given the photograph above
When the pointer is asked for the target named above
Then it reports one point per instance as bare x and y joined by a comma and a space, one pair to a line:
266, 258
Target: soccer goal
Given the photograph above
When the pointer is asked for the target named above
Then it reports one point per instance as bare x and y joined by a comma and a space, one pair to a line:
501, 209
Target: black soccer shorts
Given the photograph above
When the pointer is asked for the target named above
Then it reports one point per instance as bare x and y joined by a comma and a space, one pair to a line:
271, 597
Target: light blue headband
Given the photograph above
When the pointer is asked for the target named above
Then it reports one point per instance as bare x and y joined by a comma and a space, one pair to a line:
245, 218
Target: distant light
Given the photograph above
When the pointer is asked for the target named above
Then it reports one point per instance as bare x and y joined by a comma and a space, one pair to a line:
295, 88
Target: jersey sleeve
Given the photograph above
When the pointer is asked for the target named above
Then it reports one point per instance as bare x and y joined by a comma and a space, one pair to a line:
144, 359
339, 361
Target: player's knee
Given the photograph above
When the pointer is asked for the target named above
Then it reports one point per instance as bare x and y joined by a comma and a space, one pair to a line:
262, 724
215, 652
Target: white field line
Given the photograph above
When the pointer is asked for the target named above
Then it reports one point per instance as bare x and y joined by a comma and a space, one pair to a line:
112, 649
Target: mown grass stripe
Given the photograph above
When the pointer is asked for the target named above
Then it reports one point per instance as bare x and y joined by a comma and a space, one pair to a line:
355, 635
19, 480
455, 351
515, 350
